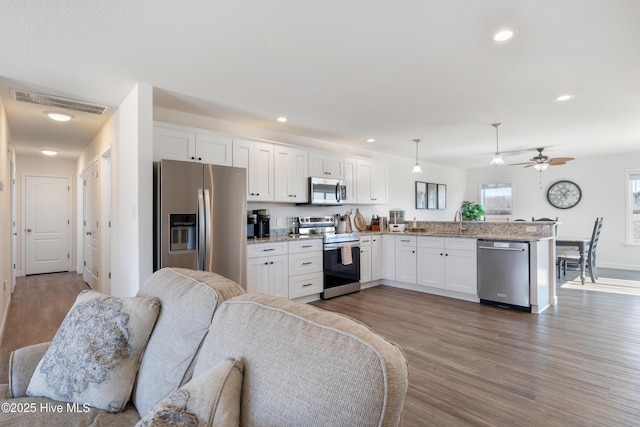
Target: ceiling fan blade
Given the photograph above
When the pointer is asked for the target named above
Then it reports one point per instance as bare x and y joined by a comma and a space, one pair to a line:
561, 159
557, 163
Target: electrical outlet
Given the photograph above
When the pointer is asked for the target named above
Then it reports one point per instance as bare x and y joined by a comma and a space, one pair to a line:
4, 286
278, 222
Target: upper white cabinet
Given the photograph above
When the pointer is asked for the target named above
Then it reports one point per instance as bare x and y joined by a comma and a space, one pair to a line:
290, 174
371, 182
176, 142
326, 165
257, 158
350, 178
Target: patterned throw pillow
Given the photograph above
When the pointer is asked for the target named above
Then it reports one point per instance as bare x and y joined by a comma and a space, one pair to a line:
210, 399
95, 354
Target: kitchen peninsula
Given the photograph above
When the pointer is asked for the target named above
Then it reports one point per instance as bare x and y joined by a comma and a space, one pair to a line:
438, 257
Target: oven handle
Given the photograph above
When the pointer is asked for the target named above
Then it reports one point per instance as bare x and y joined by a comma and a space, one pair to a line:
333, 246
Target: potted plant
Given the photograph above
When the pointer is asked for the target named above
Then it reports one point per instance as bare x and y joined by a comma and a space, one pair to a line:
471, 211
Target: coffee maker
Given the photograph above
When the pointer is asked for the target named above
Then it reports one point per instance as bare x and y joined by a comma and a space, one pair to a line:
264, 221
252, 225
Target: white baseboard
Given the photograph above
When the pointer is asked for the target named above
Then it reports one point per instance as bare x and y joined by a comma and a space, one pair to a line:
616, 266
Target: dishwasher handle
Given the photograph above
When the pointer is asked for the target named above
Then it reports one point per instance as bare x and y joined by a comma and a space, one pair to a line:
502, 249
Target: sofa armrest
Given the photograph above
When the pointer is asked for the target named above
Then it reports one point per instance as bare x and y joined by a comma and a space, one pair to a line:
22, 364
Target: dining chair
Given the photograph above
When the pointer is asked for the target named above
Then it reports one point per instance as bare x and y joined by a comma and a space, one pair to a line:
573, 257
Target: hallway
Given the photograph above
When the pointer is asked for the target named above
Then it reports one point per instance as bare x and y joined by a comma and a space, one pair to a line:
38, 306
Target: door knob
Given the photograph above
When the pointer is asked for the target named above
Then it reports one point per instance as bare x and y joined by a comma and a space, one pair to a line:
15, 234
88, 233
28, 230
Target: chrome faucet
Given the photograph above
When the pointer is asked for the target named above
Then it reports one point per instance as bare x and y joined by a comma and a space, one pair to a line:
457, 215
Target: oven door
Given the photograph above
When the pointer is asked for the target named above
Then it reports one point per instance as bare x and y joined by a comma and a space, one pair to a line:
336, 274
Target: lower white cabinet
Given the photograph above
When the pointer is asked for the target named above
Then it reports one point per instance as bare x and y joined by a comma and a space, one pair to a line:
365, 259
447, 263
376, 257
406, 259
388, 257
268, 275
305, 267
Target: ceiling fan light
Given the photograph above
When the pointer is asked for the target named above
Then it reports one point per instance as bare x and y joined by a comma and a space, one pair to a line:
541, 166
497, 159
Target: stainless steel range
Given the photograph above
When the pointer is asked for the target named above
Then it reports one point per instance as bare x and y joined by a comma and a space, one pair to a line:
341, 255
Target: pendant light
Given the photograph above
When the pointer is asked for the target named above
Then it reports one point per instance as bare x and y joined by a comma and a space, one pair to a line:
497, 158
416, 167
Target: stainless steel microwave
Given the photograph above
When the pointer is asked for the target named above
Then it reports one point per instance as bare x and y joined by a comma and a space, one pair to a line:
327, 191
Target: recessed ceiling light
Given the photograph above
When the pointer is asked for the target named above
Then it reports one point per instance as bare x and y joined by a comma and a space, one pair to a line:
371, 140
58, 117
282, 119
563, 98
49, 152
505, 36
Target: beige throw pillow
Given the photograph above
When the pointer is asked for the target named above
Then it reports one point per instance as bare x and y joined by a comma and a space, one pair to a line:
210, 399
94, 356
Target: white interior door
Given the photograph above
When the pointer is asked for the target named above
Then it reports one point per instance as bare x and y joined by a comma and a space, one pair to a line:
47, 224
91, 214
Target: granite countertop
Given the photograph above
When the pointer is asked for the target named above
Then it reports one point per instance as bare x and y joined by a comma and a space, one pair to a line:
413, 232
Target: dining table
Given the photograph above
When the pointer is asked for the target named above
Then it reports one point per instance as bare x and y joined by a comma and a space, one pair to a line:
582, 244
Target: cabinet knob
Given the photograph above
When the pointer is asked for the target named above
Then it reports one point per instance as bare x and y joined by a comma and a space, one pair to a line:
271, 262
199, 158
193, 158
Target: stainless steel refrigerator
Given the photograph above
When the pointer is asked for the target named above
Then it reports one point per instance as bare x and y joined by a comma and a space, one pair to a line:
200, 218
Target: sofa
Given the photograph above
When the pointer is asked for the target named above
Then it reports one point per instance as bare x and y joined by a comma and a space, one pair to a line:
208, 354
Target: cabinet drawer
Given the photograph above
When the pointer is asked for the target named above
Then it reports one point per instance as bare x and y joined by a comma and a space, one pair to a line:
431, 242
405, 240
308, 262
365, 240
266, 249
460, 243
305, 245
305, 284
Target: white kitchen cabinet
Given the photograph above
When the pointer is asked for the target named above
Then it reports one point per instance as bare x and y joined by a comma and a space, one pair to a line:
326, 165
268, 275
376, 257
291, 173
305, 267
406, 259
257, 158
371, 182
389, 257
365, 259
350, 178
174, 142
447, 263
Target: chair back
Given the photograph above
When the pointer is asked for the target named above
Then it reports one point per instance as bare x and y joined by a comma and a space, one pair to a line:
595, 237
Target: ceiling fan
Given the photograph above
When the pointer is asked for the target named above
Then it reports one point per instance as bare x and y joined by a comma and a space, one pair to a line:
541, 162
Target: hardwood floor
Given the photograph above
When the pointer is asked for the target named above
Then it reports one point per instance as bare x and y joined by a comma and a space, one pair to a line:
38, 307
578, 363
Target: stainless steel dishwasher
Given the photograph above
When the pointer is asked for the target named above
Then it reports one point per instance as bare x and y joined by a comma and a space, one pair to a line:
503, 273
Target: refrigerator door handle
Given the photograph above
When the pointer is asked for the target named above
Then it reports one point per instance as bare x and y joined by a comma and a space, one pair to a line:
207, 257
201, 229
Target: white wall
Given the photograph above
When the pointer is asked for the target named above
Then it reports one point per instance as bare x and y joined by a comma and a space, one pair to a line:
44, 166
5, 220
602, 180
132, 192
401, 180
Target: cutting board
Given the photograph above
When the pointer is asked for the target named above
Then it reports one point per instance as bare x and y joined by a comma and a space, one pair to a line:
361, 223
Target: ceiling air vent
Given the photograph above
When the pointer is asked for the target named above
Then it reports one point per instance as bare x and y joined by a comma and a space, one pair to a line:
57, 102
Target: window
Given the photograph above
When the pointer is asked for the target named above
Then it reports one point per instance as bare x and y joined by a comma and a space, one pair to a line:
633, 207
496, 198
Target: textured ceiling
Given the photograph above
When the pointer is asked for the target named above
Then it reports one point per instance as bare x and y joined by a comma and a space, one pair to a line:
342, 71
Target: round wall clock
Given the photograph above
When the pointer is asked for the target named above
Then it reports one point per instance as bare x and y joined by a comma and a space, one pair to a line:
564, 194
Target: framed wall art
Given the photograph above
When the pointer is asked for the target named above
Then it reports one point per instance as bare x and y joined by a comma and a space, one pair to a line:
442, 196
421, 195
432, 195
